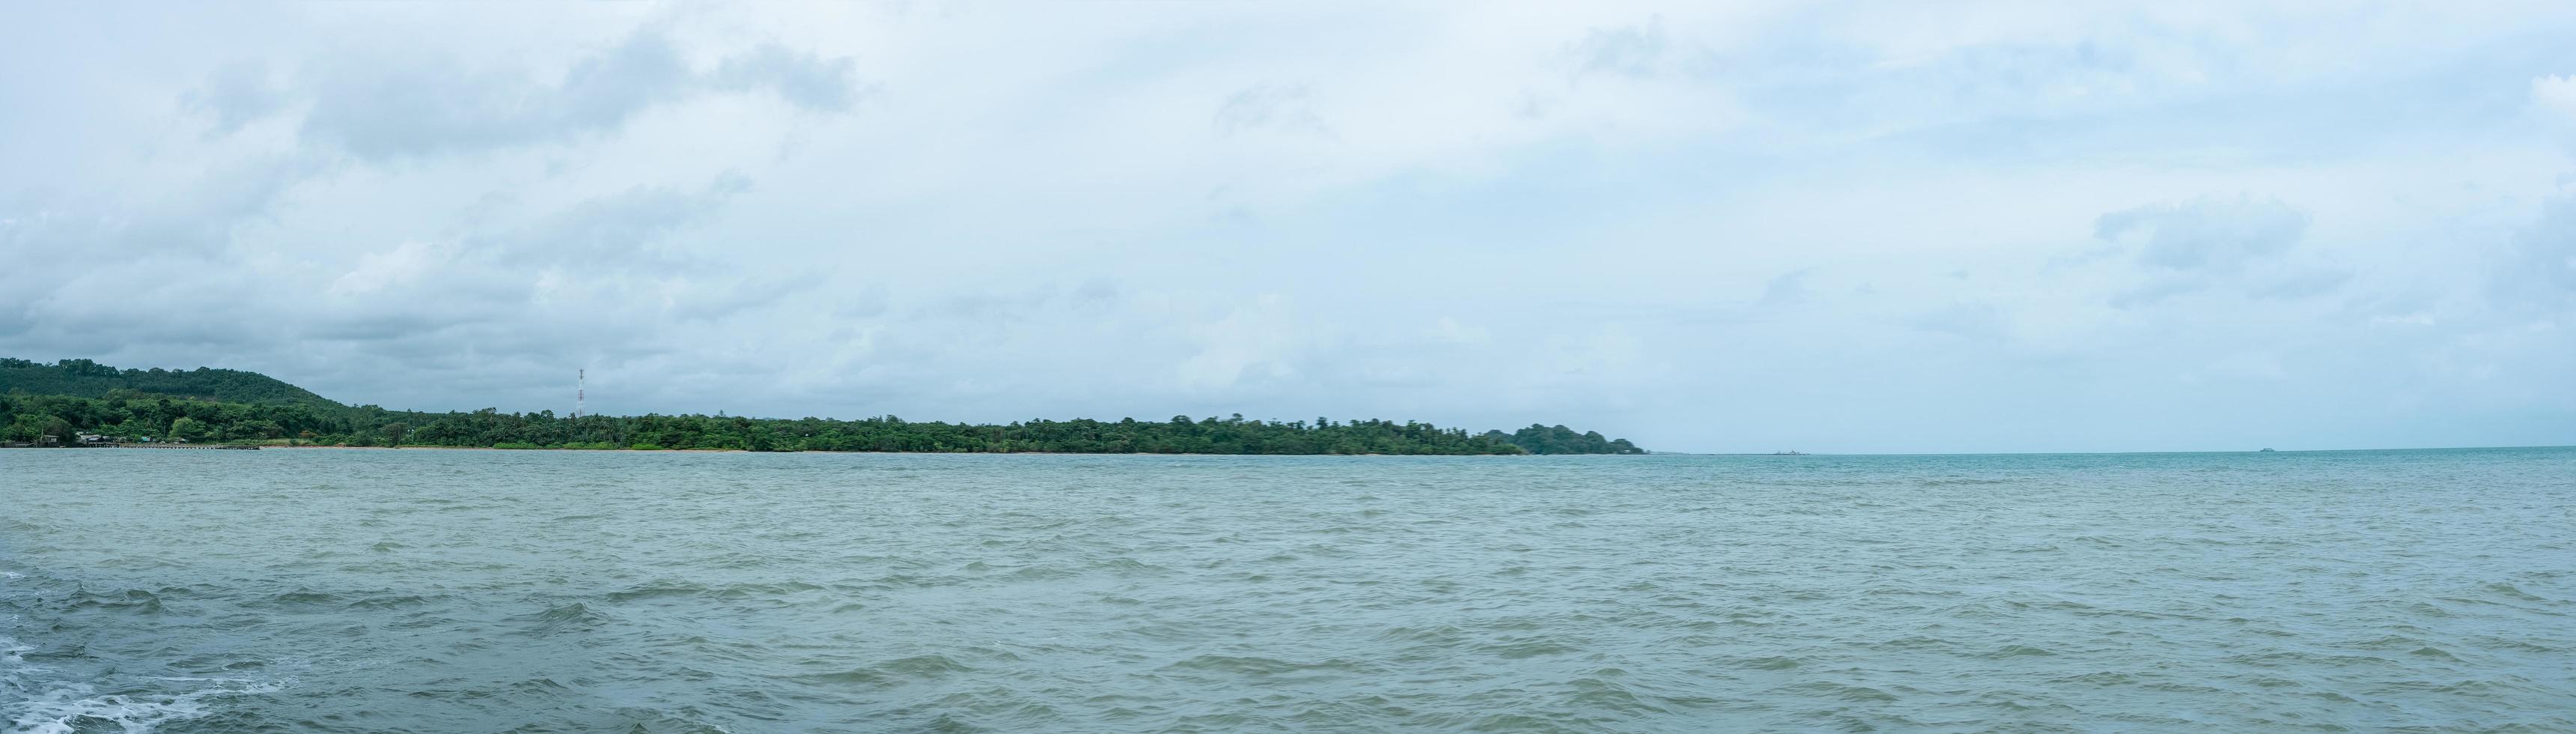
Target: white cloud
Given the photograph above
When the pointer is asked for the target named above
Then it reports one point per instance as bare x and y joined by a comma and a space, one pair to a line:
2555, 95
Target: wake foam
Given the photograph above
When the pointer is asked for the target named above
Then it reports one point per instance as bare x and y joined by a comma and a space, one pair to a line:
31, 705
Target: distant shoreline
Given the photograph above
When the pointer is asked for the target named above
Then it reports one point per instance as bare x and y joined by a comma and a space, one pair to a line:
305, 447
82, 401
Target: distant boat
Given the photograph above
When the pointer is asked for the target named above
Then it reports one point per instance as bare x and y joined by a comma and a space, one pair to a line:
2265, 450
1802, 453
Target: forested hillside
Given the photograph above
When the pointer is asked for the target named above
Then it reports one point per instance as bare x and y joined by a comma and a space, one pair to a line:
89, 379
249, 407
1538, 439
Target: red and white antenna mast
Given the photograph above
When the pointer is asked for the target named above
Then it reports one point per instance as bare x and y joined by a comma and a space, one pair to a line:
580, 380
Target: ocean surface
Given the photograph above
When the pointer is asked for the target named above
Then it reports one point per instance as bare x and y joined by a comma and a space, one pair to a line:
492, 591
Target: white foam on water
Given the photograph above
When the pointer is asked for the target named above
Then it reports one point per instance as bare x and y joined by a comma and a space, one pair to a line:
62, 707
14, 669
65, 707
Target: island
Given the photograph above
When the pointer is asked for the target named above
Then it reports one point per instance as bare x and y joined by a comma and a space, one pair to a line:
77, 402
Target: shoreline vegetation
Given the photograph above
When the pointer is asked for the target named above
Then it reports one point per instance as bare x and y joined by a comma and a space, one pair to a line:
80, 402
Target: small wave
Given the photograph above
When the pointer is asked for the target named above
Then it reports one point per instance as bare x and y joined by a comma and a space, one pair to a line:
562, 618
388, 602
924, 666
1844, 692
1442, 635
2510, 591
304, 598
656, 591
848, 677
2104, 678
2429, 651
1772, 663
766, 591
1963, 481
1527, 649
894, 672
132, 601
1595, 693
1259, 666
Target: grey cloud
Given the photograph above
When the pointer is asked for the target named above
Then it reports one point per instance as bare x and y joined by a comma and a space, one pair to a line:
2155, 292
1045, 301
174, 243
449, 290
2300, 282
1786, 289
603, 91
808, 81
2553, 99
1967, 320
2238, 245
729, 296
862, 303
594, 281
181, 307
1270, 106
424, 108
236, 94
2206, 234
2388, 306
1633, 51
366, 327
623, 230
471, 315
1097, 290
198, 218
2539, 268
417, 108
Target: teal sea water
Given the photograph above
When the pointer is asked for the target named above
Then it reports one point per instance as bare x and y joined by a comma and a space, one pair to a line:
466, 591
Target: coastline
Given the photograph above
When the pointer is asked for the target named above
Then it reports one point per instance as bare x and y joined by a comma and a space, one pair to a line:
304, 447
497, 448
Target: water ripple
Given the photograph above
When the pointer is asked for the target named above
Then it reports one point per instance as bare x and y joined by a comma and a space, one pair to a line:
319, 591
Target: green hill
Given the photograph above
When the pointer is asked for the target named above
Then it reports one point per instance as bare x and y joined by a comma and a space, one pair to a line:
84, 378
1538, 439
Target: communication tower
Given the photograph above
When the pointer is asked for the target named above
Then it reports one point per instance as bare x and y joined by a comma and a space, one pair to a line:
580, 381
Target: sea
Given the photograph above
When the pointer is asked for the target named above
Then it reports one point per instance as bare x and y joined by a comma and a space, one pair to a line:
424, 590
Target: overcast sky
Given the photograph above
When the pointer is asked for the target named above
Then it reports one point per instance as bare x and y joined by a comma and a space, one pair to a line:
1906, 227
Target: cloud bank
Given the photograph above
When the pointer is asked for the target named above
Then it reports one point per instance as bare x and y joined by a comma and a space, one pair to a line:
1718, 227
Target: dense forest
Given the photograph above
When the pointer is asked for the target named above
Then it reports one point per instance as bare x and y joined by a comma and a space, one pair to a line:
89, 379
72, 397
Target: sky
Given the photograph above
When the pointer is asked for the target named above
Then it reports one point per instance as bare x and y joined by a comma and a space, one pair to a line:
1706, 226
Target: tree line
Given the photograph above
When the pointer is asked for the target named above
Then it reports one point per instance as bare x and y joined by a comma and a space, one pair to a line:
132, 415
